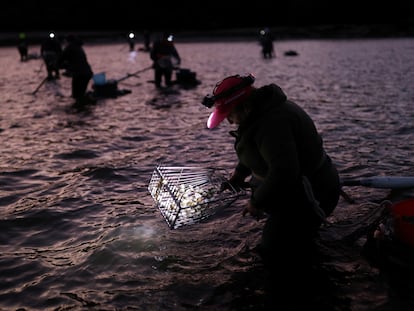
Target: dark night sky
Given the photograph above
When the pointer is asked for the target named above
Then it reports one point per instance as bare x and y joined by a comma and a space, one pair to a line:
198, 15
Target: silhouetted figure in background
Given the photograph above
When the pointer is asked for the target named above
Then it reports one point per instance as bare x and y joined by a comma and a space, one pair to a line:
50, 50
131, 41
147, 40
163, 53
266, 41
74, 59
23, 46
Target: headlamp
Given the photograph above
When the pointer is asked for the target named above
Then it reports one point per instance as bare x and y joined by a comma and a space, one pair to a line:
210, 99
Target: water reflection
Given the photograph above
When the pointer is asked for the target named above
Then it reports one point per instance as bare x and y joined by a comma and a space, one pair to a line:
79, 226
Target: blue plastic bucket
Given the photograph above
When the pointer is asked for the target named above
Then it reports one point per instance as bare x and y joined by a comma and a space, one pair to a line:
99, 78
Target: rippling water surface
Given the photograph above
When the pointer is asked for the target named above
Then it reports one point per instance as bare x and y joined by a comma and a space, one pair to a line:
79, 229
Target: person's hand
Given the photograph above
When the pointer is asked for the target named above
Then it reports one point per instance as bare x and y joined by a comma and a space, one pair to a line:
234, 183
252, 210
228, 185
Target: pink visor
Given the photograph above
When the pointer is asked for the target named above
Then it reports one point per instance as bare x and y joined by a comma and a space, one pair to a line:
219, 114
227, 94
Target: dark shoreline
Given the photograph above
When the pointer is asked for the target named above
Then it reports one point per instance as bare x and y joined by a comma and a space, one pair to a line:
331, 31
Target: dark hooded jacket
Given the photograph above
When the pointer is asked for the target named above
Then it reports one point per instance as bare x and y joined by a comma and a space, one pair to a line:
74, 58
278, 144
164, 50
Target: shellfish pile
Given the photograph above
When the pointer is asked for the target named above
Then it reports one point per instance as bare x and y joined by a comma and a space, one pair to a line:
192, 203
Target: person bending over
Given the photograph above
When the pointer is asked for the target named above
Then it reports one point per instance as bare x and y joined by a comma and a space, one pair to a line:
295, 185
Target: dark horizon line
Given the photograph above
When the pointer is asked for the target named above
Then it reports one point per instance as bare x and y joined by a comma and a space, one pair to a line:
226, 33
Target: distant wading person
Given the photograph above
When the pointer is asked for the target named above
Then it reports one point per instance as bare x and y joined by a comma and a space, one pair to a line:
147, 40
74, 59
23, 47
266, 41
131, 41
50, 50
163, 53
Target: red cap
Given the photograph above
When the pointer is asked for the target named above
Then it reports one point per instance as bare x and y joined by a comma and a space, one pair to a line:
225, 104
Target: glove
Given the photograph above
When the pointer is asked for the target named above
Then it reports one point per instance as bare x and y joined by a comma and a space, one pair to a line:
253, 211
227, 185
234, 183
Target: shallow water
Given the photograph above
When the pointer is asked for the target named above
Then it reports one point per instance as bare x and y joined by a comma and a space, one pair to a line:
79, 229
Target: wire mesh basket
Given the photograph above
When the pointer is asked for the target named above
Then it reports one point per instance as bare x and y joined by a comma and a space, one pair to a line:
187, 195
